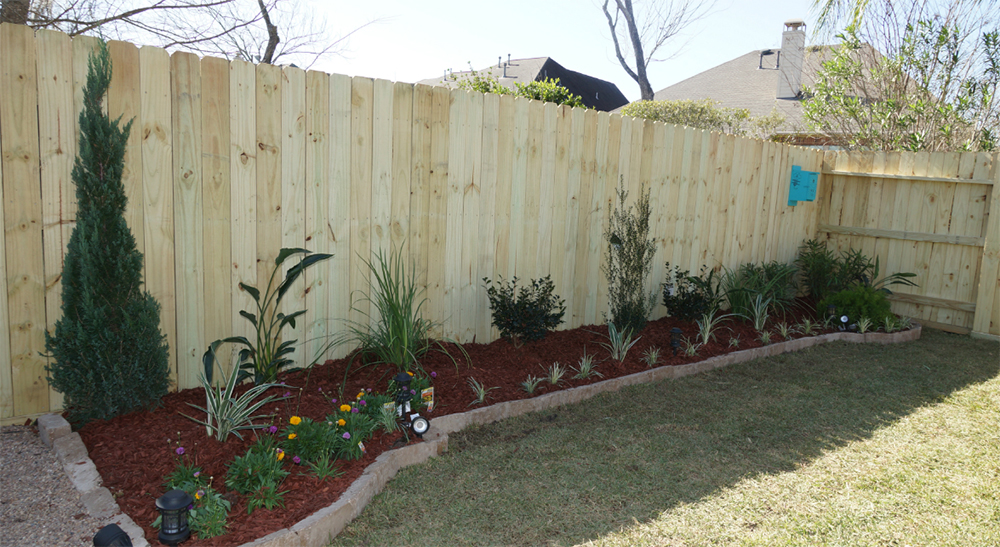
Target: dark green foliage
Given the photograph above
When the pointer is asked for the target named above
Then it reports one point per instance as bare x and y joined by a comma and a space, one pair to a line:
823, 273
689, 297
258, 474
265, 359
312, 442
529, 315
108, 354
629, 263
207, 517
860, 301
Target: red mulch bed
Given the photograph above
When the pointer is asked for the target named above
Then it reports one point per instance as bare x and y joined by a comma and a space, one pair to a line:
135, 452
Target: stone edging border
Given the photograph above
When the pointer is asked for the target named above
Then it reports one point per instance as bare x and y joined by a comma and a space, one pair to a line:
325, 524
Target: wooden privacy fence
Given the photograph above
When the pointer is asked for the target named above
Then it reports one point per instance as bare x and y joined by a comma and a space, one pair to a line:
927, 213
228, 162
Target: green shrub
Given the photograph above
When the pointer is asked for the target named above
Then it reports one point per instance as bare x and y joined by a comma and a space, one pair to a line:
706, 114
109, 356
822, 273
529, 315
629, 263
860, 301
549, 89
308, 440
689, 297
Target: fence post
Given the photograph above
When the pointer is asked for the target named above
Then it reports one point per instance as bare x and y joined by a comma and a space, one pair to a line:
988, 295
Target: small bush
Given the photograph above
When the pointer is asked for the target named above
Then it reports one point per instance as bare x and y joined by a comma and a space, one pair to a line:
822, 273
772, 281
258, 474
688, 297
529, 315
860, 301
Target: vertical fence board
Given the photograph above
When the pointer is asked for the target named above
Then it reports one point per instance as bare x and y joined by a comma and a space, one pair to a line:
437, 211
293, 200
157, 192
381, 183
57, 122
487, 212
597, 214
419, 221
268, 91
987, 318
502, 202
402, 152
6, 379
471, 198
123, 101
188, 184
556, 261
243, 190
528, 261
578, 277
339, 207
362, 96
454, 198
547, 201
519, 171
216, 245
318, 237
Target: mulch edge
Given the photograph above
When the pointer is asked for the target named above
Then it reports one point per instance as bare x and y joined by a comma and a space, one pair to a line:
324, 525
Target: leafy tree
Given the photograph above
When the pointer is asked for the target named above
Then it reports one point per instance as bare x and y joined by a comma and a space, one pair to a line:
109, 355
548, 89
629, 263
933, 88
707, 114
639, 29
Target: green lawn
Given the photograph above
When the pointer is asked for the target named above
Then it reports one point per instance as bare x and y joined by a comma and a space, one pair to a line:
841, 444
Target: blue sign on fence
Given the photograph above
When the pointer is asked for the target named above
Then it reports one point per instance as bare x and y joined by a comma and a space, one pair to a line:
802, 186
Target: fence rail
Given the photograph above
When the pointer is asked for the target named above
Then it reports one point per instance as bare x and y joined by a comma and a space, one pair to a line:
228, 162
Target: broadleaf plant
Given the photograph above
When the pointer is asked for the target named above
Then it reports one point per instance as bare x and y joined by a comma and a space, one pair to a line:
264, 358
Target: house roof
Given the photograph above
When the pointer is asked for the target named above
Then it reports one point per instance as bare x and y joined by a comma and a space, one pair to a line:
751, 82
595, 92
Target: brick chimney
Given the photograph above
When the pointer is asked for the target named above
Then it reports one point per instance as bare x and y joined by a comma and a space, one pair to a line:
793, 54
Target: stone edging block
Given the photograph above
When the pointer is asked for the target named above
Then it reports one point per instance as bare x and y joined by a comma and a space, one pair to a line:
325, 524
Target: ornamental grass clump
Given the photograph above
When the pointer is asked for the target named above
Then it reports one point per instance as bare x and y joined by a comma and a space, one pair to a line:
527, 314
108, 355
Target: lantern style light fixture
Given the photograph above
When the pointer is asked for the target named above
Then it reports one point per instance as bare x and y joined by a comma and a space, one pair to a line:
831, 312
417, 423
173, 508
112, 536
675, 339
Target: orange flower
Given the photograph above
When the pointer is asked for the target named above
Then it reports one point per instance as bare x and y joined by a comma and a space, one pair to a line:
410, 373
292, 436
295, 420
341, 422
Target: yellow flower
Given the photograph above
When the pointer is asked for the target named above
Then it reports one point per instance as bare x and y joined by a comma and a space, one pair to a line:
281, 454
341, 422
410, 373
197, 495
292, 436
360, 395
345, 408
295, 420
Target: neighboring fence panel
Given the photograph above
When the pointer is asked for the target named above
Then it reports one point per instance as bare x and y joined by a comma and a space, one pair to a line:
227, 162
923, 213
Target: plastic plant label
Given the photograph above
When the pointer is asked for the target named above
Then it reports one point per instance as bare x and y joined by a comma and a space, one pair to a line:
389, 407
427, 396
361, 445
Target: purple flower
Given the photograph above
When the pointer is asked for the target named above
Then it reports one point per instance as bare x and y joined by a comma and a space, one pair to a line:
413, 392
354, 410
287, 394
296, 459
180, 450
434, 374
196, 473
333, 401
347, 435
190, 507
362, 402
282, 383
369, 390
272, 429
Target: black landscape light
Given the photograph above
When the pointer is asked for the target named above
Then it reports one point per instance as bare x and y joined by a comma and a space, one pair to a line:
675, 339
844, 322
112, 536
831, 312
417, 423
173, 508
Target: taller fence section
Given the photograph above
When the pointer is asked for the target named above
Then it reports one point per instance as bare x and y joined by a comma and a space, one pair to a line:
228, 162
933, 214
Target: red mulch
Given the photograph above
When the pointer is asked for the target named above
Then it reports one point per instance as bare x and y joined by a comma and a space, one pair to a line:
135, 452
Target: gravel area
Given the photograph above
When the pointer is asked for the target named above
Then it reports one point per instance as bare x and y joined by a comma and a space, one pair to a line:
38, 503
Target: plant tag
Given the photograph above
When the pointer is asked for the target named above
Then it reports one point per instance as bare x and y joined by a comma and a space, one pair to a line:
361, 445
427, 396
389, 407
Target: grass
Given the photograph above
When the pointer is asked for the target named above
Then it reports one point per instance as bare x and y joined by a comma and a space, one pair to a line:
839, 444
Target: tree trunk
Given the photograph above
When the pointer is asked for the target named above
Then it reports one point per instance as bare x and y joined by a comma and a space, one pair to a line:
14, 11
272, 35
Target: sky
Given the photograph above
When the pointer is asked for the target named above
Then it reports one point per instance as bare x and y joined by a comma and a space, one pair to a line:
412, 40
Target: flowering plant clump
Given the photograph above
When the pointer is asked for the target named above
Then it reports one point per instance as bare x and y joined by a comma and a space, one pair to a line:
207, 517
308, 440
258, 474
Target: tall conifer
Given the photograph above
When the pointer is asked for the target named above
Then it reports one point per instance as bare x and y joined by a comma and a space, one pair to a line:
109, 356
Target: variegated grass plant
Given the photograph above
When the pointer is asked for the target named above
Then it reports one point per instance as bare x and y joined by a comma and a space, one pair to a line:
226, 413
708, 324
531, 384
556, 373
479, 391
586, 368
651, 356
619, 342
